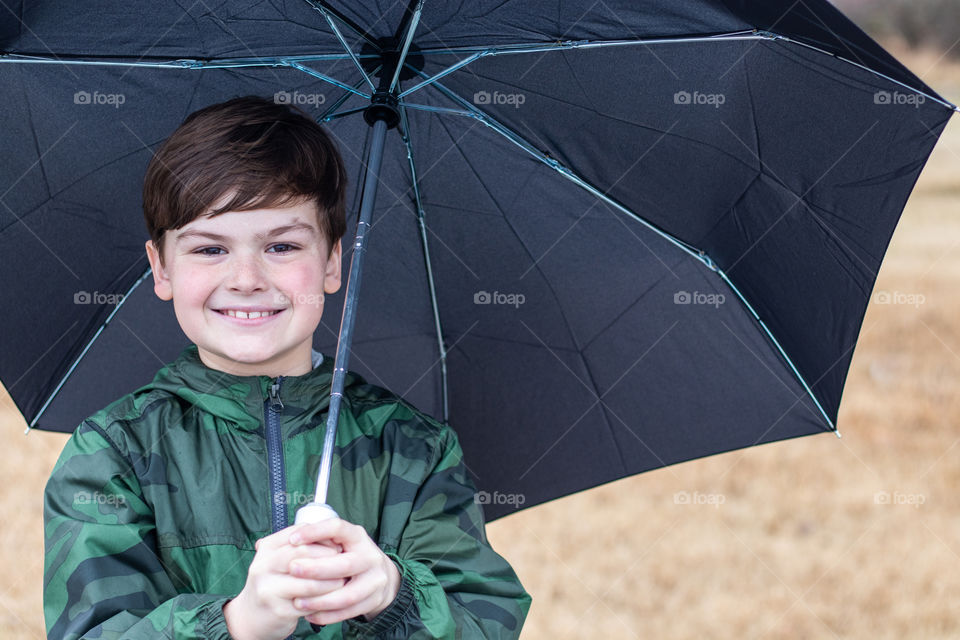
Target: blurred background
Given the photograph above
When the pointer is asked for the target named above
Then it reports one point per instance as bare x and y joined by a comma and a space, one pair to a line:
818, 537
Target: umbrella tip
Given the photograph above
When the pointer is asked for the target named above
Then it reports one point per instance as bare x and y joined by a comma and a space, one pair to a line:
837, 431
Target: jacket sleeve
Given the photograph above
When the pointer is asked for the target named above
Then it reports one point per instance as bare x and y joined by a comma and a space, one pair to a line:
454, 585
103, 577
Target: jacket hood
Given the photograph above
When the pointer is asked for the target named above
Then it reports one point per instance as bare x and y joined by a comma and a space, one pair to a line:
240, 399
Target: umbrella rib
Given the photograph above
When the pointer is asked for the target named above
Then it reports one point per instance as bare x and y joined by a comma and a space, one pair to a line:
755, 34
294, 62
424, 245
793, 368
341, 114
537, 47
326, 78
172, 63
775, 36
484, 52
699, 254
325, 8
329, 113
76, 362
472, 112
336, 32
411, 27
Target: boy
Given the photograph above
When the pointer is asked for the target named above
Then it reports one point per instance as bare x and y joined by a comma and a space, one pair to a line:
167, 514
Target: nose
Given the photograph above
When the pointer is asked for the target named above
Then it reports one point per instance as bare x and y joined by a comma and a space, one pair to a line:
247, 274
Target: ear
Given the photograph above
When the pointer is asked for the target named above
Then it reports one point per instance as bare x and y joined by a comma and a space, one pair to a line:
331, 281
161, 279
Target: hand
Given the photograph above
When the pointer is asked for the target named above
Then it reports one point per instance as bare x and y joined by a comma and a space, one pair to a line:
372, 579
264, 610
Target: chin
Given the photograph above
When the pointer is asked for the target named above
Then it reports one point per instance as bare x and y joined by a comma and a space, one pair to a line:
240, 355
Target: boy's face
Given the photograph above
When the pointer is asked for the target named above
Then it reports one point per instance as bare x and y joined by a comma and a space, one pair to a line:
220, 271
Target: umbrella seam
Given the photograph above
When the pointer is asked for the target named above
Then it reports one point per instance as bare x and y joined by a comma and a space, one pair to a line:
636, 125
642, 294
570, 332
577, 348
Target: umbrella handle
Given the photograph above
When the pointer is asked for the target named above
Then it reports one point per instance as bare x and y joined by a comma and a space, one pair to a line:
314, 512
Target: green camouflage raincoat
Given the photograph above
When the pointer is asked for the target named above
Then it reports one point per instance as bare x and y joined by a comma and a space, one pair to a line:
152, 511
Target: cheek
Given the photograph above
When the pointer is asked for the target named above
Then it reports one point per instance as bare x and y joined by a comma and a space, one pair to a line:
304, 278
191, 289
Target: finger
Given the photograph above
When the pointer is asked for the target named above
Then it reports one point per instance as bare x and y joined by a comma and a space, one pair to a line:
315, 550
332, 617
344, 565
274, 540
355, 592
271, 558
289, 589
336, 530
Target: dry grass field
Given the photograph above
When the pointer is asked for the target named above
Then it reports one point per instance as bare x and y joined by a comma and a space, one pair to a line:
818, 537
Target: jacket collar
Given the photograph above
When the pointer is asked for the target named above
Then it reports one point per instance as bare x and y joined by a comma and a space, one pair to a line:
240, 399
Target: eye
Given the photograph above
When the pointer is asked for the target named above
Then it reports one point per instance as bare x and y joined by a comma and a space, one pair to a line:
209, 251
282, 247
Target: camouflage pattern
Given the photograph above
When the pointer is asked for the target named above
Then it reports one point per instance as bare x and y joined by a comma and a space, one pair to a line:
152, 510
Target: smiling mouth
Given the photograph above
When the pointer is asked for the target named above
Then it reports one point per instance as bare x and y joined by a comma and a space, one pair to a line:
248, 315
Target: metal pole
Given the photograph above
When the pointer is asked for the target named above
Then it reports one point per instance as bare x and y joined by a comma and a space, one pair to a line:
346, 325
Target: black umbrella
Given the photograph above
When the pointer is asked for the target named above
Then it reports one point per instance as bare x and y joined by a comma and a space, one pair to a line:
605, 239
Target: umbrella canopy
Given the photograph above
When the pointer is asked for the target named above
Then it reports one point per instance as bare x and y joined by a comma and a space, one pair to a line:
604, 241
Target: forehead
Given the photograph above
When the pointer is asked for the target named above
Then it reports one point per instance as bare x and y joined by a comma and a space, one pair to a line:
256, 223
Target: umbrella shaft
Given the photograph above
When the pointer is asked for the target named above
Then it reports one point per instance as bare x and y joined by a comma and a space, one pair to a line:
350, 306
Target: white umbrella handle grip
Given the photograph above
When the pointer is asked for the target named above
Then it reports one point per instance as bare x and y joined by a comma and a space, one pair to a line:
314, 512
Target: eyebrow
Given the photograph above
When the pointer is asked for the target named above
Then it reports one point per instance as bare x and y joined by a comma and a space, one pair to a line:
296, 226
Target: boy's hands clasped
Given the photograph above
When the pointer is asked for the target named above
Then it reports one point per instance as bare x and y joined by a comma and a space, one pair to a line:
326, 572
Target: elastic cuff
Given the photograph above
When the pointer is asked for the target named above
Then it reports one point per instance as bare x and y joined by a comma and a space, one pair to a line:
212, 622
387, 619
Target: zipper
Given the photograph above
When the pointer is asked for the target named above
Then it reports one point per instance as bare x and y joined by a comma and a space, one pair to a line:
278, 483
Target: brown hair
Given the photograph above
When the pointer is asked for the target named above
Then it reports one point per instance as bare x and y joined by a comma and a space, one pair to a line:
266, 154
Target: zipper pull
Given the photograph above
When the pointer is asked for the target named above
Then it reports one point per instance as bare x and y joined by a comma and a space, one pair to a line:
275, 401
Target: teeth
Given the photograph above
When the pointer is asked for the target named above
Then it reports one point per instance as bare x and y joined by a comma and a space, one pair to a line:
233, 313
